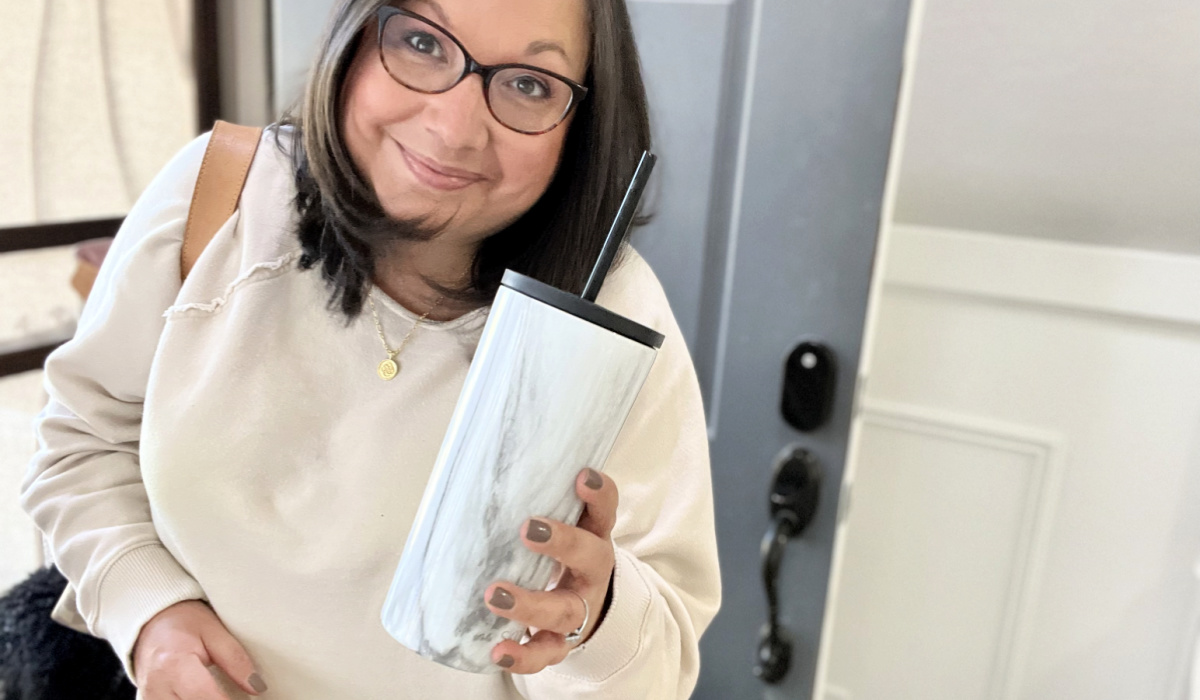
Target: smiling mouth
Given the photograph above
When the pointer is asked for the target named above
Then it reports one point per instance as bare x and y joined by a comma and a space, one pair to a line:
435, 175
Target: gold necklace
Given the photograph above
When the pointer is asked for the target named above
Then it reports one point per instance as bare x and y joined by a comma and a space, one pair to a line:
389, 368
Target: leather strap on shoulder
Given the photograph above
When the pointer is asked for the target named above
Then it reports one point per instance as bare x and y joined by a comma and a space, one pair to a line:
219, 185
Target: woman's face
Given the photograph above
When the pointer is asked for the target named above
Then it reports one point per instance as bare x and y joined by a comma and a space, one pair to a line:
444, 157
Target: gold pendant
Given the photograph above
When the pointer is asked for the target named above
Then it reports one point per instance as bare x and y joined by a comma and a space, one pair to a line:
388, 369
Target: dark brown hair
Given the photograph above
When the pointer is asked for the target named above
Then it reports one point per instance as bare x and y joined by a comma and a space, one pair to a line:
342, 226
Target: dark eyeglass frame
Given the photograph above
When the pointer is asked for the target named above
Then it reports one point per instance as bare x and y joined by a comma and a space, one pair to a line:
471, 66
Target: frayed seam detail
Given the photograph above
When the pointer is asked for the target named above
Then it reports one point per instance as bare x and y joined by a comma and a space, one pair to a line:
258, 272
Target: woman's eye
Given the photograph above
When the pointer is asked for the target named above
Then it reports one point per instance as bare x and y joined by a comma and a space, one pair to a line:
529, 86
425, 43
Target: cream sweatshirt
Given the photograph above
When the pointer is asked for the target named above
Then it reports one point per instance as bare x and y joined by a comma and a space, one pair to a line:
229, 440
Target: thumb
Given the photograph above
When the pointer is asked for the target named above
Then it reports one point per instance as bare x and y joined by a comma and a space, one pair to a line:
231, 657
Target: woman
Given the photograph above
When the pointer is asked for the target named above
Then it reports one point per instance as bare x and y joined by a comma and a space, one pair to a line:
224, 477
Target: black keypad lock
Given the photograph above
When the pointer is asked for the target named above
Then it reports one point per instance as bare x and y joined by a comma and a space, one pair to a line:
808, 386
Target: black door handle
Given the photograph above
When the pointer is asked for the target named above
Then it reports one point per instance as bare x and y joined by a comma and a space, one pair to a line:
794, 494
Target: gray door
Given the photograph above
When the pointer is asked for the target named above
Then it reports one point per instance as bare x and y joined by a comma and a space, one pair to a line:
773, 122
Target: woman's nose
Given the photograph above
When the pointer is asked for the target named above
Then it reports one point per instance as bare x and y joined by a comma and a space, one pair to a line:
459, 117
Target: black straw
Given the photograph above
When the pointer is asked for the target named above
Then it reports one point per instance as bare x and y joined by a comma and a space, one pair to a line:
619, 225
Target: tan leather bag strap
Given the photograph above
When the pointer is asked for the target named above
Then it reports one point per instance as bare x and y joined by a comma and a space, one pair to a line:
219, 185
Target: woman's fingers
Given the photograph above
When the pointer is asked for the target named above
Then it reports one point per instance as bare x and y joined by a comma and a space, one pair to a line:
560, 610
588, 557
228, 654
586, 553
175, 649
599, 495
544, 649
195, 682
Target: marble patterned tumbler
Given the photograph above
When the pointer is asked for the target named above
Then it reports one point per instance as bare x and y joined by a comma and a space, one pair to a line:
551, 384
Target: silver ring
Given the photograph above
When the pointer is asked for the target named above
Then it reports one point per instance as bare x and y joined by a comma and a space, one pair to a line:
574, 637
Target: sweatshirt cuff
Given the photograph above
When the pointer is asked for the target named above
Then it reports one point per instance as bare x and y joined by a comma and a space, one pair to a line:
137, 586
617, 640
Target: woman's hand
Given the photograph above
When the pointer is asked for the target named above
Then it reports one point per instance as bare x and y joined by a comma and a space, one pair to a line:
175, 649
586, 554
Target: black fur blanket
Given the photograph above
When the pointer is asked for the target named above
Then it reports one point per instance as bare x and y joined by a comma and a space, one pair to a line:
42, 660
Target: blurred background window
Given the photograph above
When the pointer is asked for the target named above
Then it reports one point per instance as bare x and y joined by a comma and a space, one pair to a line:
97, 98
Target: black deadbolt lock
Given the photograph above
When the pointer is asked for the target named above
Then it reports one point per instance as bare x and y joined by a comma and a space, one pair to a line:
808, 386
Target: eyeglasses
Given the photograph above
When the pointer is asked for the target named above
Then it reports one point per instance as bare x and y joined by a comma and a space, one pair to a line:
423, 57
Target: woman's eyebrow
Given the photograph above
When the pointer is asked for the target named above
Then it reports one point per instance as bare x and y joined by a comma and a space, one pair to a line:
537, 47
437, 10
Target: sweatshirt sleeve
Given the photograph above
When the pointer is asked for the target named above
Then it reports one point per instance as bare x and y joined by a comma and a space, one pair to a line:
84, 486
666, 585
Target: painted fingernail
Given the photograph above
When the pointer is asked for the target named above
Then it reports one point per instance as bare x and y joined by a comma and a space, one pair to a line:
505, 661
538, 531
257, 683
594, 480
502, 599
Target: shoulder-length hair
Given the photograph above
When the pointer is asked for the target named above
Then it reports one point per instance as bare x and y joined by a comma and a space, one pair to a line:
342, 226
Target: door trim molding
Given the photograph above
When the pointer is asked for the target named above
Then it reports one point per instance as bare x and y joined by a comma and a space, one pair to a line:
1127, 282
1046, 452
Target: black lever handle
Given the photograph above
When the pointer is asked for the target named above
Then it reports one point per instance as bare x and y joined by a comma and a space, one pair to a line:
794, 494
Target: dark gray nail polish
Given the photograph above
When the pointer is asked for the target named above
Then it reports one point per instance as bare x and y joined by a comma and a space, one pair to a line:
502, 599
257, 683
594, 480
505, 661
538, 531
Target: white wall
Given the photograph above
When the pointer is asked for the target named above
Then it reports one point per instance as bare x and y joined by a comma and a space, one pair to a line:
1025, 511
1025, 514
1073, 120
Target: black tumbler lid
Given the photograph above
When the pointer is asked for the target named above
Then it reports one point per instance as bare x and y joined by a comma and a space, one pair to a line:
586, 310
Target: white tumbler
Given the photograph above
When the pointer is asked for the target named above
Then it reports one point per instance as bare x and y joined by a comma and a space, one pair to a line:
552, 381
